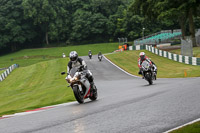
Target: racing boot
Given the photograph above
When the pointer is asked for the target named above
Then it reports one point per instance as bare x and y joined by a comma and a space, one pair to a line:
155, 74
93, 87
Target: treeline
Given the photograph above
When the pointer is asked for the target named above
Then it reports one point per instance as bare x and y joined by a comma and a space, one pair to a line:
33, 23
185, 12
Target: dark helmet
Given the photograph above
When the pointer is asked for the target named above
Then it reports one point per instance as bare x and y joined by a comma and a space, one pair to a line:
142, 56
73, 56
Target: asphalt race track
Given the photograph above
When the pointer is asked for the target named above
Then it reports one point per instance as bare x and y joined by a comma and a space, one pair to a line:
125, 105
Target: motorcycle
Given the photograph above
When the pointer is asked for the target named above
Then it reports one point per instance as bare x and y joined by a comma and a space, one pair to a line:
100, 57
80, 85
90, 55
148, 73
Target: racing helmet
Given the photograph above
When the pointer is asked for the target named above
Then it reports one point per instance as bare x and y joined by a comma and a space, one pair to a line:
142, 56
73, 56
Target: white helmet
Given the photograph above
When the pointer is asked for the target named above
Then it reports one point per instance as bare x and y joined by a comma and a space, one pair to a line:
73, 56
142, 56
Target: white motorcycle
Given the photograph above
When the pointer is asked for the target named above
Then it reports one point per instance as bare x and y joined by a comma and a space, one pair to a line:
80, 85
90, 55
148, 72
100, 57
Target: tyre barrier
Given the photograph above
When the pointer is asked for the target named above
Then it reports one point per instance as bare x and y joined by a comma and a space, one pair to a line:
8, 71
179, 58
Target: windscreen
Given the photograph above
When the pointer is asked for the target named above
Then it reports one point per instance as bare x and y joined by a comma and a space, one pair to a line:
145, 64
73, 71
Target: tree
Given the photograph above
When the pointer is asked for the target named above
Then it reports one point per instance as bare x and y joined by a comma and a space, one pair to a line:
87, 25
42, 13
14, 29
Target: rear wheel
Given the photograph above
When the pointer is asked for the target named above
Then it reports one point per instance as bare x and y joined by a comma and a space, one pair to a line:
94, 94
78, 95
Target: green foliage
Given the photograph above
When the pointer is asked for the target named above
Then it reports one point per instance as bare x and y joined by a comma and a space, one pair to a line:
14, 29
50, 16
28, 23
170, 12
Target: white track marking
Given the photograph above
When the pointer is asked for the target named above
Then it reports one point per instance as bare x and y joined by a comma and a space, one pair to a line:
183, 125
121, 68
36, 111
166, 78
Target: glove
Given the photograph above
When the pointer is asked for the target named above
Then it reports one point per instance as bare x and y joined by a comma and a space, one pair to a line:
140, 72
68, 77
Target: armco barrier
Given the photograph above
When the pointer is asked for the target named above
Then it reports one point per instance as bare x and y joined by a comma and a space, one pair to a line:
8, 71
171, 56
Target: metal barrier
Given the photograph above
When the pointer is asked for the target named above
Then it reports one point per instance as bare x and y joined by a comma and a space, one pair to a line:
159, 37
8, 71
179, 58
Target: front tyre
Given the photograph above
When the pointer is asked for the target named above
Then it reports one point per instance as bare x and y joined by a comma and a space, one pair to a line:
94, 94
148, 78
78, 95
150, 82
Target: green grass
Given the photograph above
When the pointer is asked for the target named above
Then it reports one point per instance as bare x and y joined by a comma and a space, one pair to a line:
37, 82
166, 68
196, 51
28, 57
193, 128
35, 86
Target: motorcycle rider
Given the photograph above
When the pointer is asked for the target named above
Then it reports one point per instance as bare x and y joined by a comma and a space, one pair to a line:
75, 61
90, 52
99, 54
142, 58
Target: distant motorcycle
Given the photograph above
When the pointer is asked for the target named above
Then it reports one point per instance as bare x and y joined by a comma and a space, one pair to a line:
148, 73
80, 85
100, 57
90, 55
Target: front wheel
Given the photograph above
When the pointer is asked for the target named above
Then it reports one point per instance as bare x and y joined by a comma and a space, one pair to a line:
148, 78
94, 94
77, 94
150, 82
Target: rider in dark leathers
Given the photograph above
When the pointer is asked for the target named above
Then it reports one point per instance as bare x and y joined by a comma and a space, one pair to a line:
75, 61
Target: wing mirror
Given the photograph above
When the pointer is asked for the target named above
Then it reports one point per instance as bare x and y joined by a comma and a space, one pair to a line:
62, 73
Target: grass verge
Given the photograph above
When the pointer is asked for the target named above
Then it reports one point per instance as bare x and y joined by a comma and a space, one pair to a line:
192, 128
196, 51
28, 57
166, 68
35, 86
37, 82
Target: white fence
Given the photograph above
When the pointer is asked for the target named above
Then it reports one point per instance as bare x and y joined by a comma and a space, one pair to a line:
171, 56
8, 71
